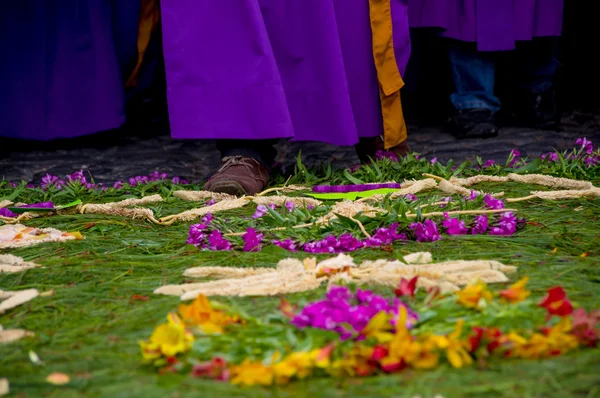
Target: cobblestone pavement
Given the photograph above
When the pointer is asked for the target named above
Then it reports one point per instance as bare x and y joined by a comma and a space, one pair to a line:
117, 155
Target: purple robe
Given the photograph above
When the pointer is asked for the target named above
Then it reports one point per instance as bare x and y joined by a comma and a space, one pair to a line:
257, 69
495, 25
60, 73
235, 68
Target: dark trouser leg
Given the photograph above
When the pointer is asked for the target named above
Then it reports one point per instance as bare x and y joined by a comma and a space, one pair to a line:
261, 150
474, 73
368, 147
539, 65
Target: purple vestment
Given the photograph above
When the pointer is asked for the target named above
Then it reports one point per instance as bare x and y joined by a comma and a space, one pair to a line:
60, 73
495, 25
255, 69
236, 69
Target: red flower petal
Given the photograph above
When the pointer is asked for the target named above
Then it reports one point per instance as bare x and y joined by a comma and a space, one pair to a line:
563, 309
379, 352
407, 287
393, 367
556, 293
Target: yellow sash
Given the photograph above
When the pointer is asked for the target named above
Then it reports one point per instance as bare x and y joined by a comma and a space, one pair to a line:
390, 81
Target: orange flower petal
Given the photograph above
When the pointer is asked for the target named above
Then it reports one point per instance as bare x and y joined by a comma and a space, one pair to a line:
58, 379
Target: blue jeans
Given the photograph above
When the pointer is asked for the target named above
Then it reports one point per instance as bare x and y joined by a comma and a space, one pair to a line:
474, 74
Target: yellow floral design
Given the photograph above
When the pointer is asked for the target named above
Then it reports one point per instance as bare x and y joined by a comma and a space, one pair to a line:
474, 295
201, 313
168, 339
555, 341
250, 373
516, 292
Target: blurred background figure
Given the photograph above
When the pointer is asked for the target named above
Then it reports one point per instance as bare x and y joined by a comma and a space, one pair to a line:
480, 33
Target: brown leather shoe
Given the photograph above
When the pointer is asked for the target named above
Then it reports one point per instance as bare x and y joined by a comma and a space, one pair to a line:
239, 175
368, 147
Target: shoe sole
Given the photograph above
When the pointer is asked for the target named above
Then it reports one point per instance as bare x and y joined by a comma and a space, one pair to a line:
229, 187
483, 130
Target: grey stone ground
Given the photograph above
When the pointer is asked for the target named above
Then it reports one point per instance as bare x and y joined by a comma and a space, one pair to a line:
118, 156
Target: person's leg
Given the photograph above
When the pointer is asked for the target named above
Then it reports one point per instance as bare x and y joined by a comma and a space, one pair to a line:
539, 66
473, 73
261, 150
245, 166
217, 93
368, 147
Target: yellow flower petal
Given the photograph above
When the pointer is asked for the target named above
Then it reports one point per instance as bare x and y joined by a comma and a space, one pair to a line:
474, 295
379, 327
454, 358
250, 373
201, 313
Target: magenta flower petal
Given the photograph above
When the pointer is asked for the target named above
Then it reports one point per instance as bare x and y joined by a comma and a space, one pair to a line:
506, 226
348, 313
217, 242
488, 163
481, 225
586, 144
252, 240
286, 244
493, 203
261, 210
426, 231
454, 226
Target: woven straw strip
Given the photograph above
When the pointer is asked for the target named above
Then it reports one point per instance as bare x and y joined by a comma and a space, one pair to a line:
291, 276
487, 276
17, 298
549, 181
135, 213
450, 188
121, 208
88, 208
11, 335
567, 194
224, 272
349, 209
198, 196
537, 179
411, 187
557, 195
288, 188
190, 215
467, 182
260, 285
12, 264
